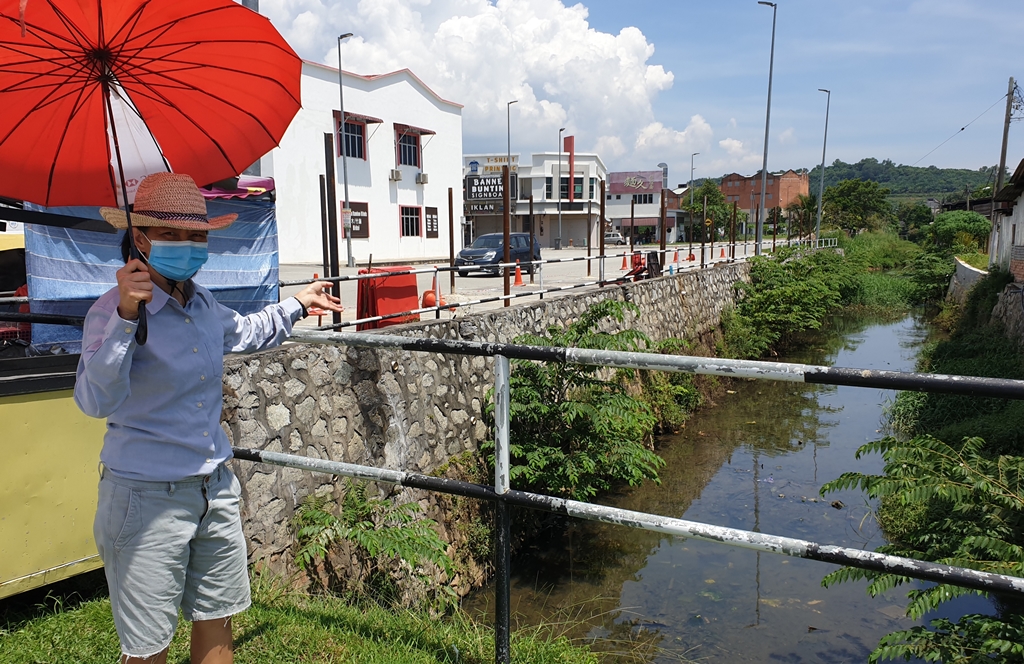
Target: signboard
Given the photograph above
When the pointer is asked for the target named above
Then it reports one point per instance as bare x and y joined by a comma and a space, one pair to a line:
489, 188
431, 219
489, 165
634, 182
494, 207
360, 220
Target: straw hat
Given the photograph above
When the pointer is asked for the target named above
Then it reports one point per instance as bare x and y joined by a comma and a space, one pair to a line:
171, 200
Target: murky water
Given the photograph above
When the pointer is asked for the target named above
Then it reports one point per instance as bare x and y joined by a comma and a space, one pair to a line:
756, 462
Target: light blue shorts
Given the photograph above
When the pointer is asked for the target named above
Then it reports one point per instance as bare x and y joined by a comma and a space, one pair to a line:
166, 545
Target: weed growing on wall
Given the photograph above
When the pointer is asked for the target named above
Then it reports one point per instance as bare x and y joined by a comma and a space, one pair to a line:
382, 532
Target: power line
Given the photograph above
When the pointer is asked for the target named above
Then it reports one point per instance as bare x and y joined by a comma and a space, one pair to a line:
960, 130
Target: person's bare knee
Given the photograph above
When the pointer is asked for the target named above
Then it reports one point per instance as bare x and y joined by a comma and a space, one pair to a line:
211, 641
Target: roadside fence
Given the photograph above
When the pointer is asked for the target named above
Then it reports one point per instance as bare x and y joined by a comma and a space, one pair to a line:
504, 496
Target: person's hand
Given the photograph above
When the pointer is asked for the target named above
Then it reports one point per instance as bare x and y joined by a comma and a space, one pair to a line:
314, 295
134, 286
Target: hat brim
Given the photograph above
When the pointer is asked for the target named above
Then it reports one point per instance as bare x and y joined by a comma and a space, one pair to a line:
117, 218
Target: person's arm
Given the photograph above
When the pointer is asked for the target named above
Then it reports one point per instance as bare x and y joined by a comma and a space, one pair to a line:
272, 325
108, 342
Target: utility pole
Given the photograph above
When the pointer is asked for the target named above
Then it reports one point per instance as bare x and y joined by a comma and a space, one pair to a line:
1006, 134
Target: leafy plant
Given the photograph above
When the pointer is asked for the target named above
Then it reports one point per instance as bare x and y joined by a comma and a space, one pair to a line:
970, 513
574, 432
960, 226
381, 531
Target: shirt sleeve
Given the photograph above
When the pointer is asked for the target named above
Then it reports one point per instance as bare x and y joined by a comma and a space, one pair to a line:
263, 329
108, 342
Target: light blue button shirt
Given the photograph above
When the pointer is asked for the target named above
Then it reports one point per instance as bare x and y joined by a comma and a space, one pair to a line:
163, 400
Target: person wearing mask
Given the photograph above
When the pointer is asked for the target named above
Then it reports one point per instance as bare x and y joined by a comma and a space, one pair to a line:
167, 521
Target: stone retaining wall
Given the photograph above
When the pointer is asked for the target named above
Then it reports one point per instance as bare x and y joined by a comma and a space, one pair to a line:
410, 411
963, 281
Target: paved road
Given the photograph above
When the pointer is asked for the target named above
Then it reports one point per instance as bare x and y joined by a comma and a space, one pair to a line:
477, 286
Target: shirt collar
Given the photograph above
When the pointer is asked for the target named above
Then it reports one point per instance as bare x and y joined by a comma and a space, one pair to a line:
161, 298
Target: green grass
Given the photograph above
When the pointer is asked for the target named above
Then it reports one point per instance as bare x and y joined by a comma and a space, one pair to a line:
284, 625
883, 291
976, 259
880, 250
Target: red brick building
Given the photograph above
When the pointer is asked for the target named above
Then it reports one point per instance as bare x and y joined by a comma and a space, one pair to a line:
780, 190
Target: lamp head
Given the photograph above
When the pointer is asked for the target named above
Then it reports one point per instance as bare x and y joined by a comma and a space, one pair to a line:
514, 101
824, 90
767, 4
344, 36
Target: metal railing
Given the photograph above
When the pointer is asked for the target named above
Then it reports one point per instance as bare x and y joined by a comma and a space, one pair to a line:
503, 495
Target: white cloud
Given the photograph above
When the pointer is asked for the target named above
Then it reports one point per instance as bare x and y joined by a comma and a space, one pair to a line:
482, 53
740, 158
788, 136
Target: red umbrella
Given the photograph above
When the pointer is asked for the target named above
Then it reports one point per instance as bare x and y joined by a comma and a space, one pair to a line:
203, 87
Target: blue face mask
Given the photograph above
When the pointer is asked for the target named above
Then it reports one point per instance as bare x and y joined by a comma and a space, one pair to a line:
177, 261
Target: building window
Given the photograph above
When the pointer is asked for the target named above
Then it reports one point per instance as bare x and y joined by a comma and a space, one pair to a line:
609, 197
409, 150
643, 199
563, 188
410, 221
618, 197
547, 188
593, 187
355, 137
577, 189
767, 195
525, 189
771, 182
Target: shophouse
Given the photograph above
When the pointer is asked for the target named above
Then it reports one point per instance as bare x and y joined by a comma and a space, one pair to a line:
403, 153
579, 216
781, 189
633, 205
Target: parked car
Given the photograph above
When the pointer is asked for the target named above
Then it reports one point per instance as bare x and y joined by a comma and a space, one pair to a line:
487, 251
614, 237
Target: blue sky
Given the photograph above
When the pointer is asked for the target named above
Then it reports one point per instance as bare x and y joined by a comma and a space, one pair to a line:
644, 81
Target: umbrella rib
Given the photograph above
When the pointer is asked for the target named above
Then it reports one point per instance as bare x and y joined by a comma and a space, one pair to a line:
42, 103
38, 32
60, 143
123, 95
80, 39
172, 22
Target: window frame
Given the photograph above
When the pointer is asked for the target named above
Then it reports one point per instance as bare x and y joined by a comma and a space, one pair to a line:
340, 136
402, 218
401, 147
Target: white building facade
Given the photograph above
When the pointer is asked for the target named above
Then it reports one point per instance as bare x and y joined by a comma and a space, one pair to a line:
404, 152
633, 206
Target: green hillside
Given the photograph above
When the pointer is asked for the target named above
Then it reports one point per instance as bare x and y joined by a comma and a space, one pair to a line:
908, 181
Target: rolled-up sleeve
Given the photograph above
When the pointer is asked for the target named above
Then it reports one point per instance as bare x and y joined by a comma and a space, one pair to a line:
263, 329
108, 342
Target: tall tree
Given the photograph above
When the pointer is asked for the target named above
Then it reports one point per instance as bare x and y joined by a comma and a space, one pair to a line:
853, 205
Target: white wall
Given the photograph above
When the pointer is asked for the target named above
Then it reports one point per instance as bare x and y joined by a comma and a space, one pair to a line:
1004, 236
296, 165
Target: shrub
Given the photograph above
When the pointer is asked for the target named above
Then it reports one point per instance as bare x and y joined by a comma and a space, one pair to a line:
969, 227
574, 433
953, 506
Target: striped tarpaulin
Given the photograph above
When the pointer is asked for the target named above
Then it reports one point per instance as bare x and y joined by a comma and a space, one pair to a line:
69, 269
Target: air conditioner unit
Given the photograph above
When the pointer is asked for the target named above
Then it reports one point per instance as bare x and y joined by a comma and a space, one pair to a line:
396, 175
421, 178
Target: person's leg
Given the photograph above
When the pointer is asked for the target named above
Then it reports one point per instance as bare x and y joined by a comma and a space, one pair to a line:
142, 532
217, 581
211, 642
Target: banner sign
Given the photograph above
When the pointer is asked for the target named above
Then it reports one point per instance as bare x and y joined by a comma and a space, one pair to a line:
360, 220
488, 188
634, 182
431, 219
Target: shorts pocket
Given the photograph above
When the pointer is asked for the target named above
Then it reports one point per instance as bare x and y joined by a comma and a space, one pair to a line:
126, 508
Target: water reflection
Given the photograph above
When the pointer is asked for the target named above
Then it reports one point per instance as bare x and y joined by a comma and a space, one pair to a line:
755, 461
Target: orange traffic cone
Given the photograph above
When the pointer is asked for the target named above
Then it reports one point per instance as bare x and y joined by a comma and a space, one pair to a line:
624, 261
675, 256
519, 275
430, 297
692, 257
723, 253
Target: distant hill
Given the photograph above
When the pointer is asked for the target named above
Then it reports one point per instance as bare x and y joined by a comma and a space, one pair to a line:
907, 181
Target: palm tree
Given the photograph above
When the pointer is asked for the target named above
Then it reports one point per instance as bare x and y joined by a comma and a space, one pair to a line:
804, 208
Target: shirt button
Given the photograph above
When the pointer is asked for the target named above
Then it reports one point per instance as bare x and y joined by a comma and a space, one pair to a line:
209, 461
202, 378
206, 433
195, 350
127, 330
199, 405
188, 320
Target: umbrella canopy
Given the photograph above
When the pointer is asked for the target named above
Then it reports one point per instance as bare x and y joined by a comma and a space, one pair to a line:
203, 87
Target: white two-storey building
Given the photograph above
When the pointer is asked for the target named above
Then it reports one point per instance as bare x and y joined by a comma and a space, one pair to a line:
403, 153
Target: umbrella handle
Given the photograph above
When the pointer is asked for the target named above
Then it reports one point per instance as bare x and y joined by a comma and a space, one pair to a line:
142, 332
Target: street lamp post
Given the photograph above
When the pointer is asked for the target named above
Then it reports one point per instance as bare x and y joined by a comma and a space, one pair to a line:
767, 119
558, 189
691, 197
824, 142
347, 219
508, 154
